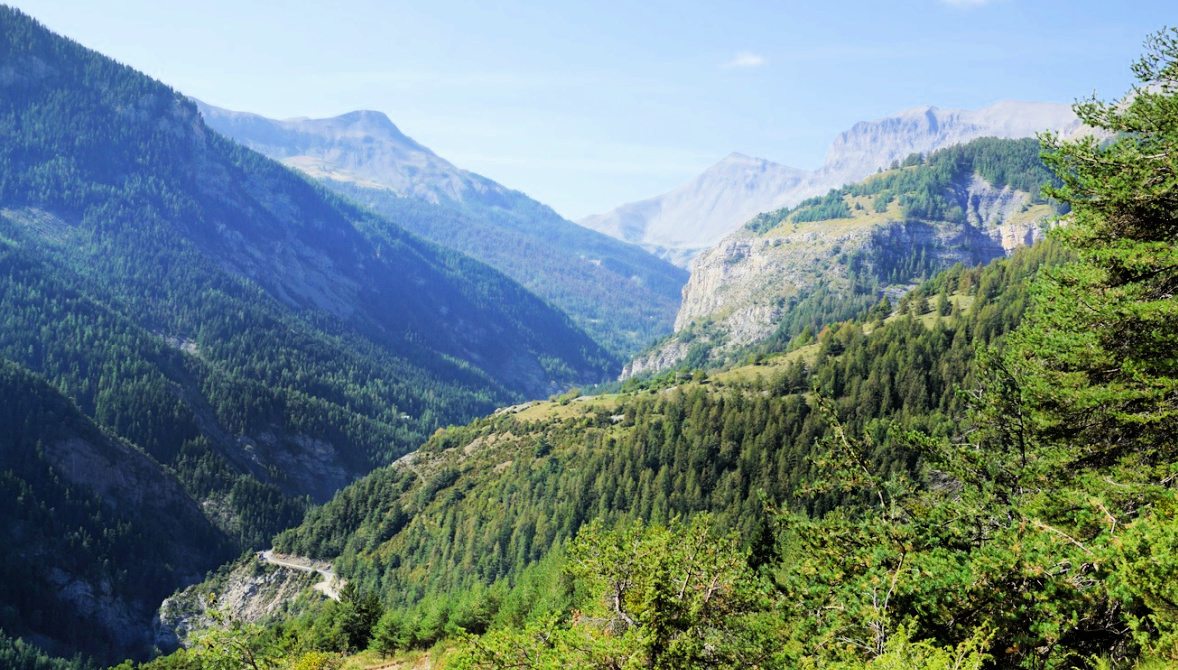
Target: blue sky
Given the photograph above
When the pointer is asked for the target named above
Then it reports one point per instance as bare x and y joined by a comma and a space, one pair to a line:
588, 105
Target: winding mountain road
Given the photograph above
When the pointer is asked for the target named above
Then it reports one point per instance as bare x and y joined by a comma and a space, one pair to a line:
329, 586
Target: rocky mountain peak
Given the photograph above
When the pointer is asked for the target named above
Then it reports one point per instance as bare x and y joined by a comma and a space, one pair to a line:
358, 124
695, 216
362, 147
870, 145
679, 224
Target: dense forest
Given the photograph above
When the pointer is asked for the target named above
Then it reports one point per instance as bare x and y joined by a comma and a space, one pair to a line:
249, 333
82, 507
492, 507
623, 297
481, 503
202, 353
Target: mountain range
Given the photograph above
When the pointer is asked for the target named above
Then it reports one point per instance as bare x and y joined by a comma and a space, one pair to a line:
620, 294
682, 223
221, 332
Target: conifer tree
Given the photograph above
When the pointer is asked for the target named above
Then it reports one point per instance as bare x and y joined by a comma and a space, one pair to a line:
1101, 361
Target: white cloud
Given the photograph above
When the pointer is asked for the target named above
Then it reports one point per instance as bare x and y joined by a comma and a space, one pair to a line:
745, 59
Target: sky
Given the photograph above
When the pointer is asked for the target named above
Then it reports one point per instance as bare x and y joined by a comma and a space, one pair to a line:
586, 105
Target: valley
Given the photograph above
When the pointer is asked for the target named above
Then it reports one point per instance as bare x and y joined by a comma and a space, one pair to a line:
301, 394
617, 293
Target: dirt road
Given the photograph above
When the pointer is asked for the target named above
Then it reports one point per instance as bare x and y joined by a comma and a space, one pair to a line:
329, 586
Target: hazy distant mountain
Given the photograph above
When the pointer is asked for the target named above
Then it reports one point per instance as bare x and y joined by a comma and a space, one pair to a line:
620, 294
695, 216
363, 148
871, 145
679, 224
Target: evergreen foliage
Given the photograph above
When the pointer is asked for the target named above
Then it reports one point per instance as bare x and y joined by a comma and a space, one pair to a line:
65, 517
257, 336
618, 293
16, 654
987, 482
482, 503
1040, 532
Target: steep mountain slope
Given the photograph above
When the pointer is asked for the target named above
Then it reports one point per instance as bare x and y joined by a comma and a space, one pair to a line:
95, 532
452, 534
835, 254
621, 295
261, 337
112, 177
680, 224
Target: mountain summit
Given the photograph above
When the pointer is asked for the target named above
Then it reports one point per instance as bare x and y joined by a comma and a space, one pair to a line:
678, 225
362, 147
871, 145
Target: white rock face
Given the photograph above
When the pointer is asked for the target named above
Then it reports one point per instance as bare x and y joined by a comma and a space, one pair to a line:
680, 224
740, 289
870, 145
695, 216
252, 591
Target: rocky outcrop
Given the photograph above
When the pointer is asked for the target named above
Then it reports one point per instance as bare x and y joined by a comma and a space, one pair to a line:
870, 145
680, 224
251, 591
1006, 215
740, 289
662, 357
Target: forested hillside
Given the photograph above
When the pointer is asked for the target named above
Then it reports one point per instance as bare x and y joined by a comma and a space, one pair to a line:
618, 293
258, 339
490, 507
96, 533
983, 477
480, 503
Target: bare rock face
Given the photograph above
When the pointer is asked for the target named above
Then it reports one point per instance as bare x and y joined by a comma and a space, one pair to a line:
740, 289
679, 225
252, 591
1001, 214
662, 357
870, 145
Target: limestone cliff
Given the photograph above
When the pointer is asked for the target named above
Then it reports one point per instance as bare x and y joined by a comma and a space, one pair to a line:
741, 289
